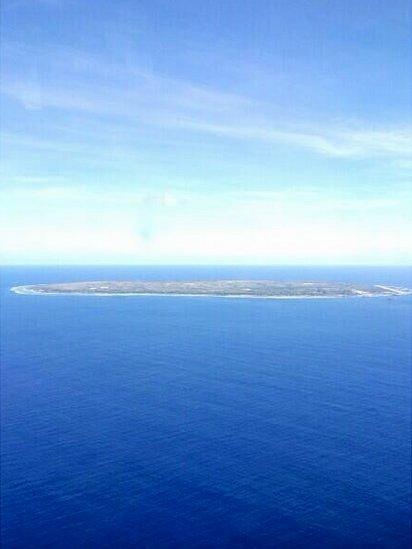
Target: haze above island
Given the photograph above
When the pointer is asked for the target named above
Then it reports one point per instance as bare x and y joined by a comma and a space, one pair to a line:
212, 132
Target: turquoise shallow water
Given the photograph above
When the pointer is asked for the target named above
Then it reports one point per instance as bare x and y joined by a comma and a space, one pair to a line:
203, 422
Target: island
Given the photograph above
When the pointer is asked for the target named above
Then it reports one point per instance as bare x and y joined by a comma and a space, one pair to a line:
217, 288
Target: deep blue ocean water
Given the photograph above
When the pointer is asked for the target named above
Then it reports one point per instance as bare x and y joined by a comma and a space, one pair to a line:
205, 422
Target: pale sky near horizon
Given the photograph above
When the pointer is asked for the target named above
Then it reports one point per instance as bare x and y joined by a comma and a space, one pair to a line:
206, 131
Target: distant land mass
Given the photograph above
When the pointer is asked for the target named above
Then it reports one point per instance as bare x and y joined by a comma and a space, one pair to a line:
218, 288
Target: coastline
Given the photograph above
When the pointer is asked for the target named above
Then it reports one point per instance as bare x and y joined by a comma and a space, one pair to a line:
22, 290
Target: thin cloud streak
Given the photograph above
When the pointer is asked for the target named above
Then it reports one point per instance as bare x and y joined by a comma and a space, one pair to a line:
143, 110
329, 142
139, 97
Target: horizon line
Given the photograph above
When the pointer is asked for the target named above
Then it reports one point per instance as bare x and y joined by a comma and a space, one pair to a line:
193, 265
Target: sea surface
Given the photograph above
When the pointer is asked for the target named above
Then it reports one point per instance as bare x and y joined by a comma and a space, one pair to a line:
153, 421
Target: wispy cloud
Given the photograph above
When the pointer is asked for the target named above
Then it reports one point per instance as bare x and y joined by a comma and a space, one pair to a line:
118, 89
139, 97
338, 142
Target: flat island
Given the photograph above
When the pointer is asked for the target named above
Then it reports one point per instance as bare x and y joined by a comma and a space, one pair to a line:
218, 288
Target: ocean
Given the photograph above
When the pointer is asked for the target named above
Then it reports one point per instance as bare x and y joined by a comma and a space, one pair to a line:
179, 422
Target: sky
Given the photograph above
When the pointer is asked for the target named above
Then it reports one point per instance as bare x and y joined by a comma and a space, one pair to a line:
206, 132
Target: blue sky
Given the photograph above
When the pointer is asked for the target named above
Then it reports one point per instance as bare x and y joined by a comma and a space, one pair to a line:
267, 132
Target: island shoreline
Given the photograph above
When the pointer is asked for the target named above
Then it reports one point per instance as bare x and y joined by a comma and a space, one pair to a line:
21, 291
